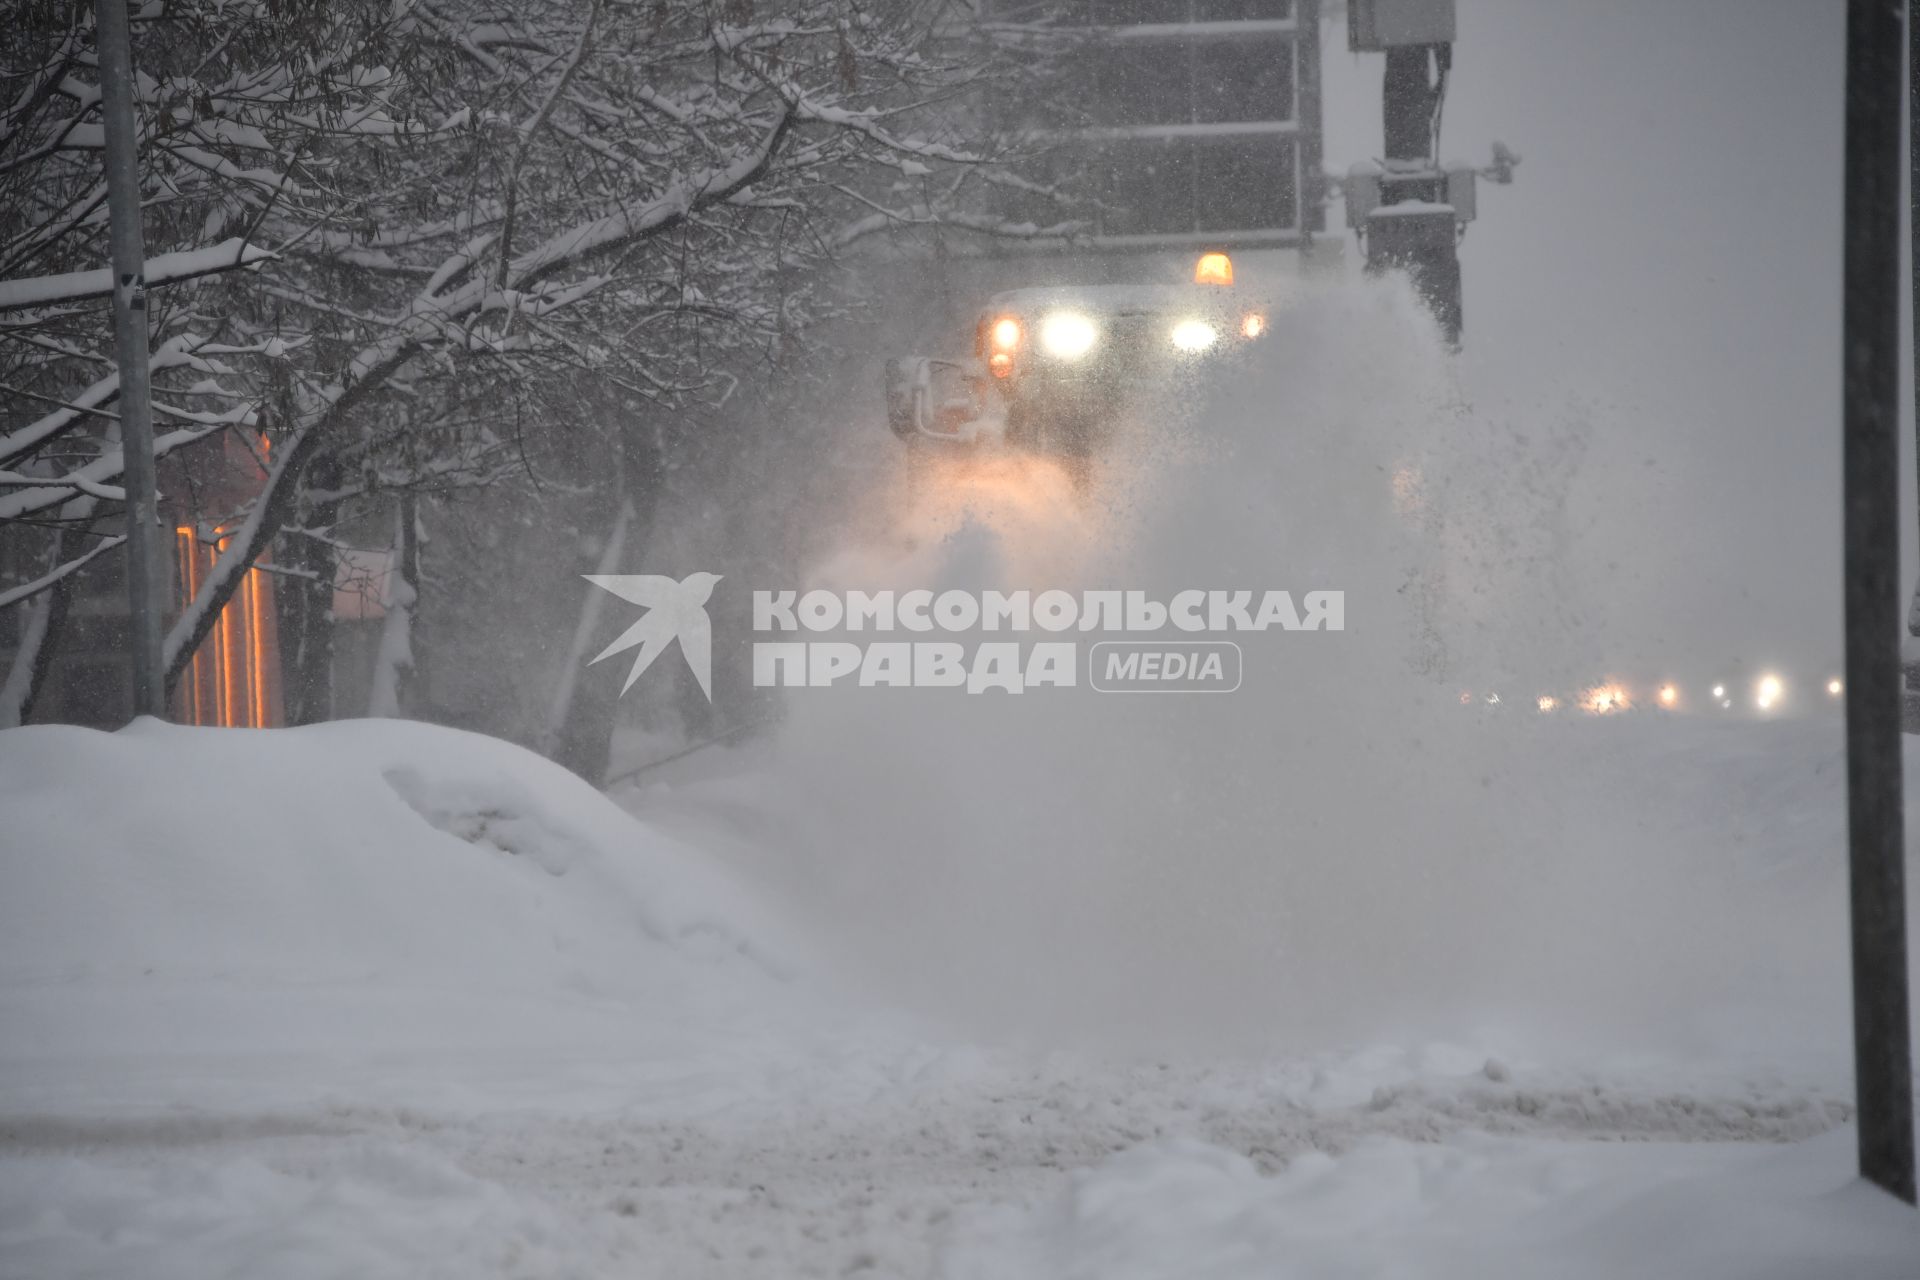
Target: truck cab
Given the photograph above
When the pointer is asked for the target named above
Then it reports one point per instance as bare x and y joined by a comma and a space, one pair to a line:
1054, 366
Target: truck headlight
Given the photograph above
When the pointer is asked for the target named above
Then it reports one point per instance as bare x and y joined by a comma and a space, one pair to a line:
1067, 335
1194, 335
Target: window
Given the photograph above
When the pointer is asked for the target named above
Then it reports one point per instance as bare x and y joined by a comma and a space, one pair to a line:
1193, 81
1249, 182
233, 679
1242, 10
1148, 185
1196, 127
1242, 80
1186, 117
1126, 13
1181, 185
1143, 82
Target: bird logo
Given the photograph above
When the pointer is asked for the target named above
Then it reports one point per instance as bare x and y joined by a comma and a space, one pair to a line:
674, 611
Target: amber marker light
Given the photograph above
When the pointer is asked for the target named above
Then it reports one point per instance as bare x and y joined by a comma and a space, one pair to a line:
1213, 268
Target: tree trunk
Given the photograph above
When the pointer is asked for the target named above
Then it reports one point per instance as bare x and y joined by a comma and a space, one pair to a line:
394, 669
582, 733
593, 605
306, 608
39, 638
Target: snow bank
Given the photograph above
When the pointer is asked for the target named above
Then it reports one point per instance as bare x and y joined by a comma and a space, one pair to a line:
355, 889
1479, 1208
366, 1208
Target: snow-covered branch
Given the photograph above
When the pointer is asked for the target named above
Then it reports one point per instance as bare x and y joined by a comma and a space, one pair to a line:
163, 269
28, 590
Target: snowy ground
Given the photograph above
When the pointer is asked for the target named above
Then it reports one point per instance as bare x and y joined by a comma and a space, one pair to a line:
500, 1028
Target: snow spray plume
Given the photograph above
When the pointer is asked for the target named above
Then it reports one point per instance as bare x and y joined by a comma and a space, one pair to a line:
1337, 848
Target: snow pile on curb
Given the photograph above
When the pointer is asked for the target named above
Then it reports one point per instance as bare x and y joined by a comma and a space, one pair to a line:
1478, 1208
365, 1208
353, 887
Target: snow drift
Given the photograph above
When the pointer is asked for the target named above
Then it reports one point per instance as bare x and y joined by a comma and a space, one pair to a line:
1482, 1207
353, 889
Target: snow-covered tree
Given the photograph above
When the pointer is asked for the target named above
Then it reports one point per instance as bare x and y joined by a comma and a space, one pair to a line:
388, 240
243, 108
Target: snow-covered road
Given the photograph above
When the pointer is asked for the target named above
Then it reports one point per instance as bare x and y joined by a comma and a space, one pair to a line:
503, 1029
936, 1173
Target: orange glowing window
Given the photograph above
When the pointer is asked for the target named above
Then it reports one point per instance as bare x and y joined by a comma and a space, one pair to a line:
233, 680
1213, 268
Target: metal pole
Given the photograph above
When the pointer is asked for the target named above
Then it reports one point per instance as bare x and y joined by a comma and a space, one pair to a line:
1910, 698
130, 348
1910, 702
1871, 392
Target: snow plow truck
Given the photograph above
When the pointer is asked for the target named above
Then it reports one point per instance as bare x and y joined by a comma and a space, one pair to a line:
1204, 152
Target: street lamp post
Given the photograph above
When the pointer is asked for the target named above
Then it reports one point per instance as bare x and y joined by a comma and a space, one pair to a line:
114, 49
1870, 413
